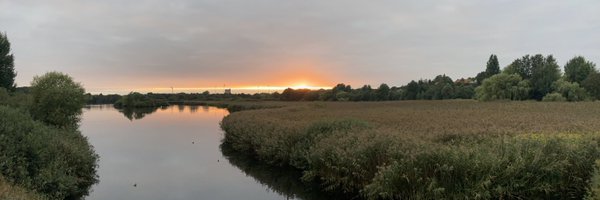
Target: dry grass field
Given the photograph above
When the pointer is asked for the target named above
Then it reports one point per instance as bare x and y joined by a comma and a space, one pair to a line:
429, 149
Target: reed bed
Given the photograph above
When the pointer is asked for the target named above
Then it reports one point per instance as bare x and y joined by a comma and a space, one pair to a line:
429, 149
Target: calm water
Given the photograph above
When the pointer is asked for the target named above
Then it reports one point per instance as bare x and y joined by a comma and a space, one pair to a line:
174, 153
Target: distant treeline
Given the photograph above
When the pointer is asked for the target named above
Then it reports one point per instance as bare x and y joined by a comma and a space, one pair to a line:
181, 97
534, 77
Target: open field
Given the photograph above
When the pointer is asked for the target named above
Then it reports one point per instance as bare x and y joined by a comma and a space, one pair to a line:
429, 149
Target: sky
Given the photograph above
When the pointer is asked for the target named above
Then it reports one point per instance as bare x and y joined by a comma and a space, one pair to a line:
115, 46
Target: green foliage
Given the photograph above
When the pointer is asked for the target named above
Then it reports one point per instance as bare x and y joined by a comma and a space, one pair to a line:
57, 99
137, 100
521, 67
59, 163
592, 85
578, 69
492, 68
13, 192
503, 87
441, 87
4, 95
7, 65
571, 91
555, 96
383, 92
594, 190
540, 71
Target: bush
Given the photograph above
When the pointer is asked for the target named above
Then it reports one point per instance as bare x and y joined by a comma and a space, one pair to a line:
57, 99
59, 163
571, 91
503, 87
555, 96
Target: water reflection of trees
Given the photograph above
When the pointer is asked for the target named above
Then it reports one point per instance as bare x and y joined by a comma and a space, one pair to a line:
137, 113
282, 180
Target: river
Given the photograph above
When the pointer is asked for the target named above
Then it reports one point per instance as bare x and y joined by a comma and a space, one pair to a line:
175, 153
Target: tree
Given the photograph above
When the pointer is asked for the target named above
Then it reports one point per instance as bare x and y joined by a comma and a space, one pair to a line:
412, 90
503, 87
492, 68
577, 69
544, 72
442, 87
383, 92
592, 85
57, 99
7, 66
540, 71
521, 67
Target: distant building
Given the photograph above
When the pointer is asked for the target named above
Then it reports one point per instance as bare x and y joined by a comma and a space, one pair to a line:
227, 91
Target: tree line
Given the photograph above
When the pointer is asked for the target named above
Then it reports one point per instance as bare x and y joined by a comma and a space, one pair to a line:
534, 77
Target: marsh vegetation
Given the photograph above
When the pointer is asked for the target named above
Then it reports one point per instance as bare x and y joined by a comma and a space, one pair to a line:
429, 149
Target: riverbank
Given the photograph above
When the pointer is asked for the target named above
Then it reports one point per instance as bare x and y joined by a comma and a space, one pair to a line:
428, 149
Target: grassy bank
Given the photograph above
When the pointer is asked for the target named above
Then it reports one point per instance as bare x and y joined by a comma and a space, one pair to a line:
429, 149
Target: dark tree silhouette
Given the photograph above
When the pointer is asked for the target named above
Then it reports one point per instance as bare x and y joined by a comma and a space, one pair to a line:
7, 66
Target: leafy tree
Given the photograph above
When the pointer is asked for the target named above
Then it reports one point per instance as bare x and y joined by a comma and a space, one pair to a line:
57, 99
383, 92
441, 87
7, 66
492, 68
503, 87
365, 93
342, 87
412, 90
464, 92
577, 69
544, 72
592, 85
521, 67
540, 71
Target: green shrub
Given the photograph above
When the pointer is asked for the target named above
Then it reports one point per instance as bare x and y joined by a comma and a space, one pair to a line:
59, 163
554, 97
57, 99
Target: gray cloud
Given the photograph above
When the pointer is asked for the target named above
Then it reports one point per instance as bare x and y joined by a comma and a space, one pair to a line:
203, 43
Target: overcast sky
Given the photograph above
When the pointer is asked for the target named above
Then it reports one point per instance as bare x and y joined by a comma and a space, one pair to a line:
116, 45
